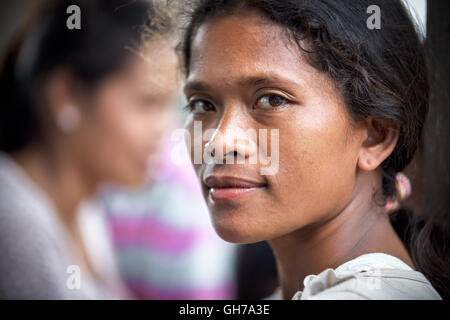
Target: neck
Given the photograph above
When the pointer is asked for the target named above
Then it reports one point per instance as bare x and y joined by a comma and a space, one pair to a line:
59, 175
361, 227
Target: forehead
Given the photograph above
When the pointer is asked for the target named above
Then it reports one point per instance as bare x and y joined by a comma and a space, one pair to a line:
243, 45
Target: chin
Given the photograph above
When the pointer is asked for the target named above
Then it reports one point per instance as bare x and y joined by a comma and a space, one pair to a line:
133, 181
238, 233
138, 183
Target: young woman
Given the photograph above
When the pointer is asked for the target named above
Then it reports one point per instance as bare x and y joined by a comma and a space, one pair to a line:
78, 107
349, 103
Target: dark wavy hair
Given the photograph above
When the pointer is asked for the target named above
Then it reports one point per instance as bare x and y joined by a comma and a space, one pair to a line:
381, 73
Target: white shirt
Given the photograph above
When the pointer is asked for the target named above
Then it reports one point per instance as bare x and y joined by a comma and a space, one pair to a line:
372, 276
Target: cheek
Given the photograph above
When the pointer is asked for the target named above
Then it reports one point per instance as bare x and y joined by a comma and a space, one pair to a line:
119, 142
120, 126
316, 166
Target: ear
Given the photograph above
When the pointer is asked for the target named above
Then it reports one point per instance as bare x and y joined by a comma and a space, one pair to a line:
381, 139
60, 92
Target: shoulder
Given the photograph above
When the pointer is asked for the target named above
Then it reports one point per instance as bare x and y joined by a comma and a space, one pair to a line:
22, 204
369, 277
32, 252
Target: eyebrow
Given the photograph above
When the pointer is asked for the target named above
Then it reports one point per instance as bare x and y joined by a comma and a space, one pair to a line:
254, 81
196, 86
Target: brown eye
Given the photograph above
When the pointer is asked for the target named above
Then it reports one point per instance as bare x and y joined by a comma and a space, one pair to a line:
200, 106
270, 101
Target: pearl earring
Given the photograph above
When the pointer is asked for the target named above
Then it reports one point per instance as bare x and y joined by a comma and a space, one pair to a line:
68, 119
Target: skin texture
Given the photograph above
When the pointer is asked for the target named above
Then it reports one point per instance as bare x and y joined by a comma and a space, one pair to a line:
317, 211
121, 125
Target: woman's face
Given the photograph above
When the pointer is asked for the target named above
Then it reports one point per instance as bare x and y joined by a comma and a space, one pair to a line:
126, 117
245, 74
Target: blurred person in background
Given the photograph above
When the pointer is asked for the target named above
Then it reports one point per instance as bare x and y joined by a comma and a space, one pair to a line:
78, 107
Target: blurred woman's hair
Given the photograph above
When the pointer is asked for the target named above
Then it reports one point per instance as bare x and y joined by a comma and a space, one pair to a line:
110, 31
380, 74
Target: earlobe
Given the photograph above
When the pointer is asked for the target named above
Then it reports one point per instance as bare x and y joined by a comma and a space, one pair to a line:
60, 98
365, 161
379, 144
68, 119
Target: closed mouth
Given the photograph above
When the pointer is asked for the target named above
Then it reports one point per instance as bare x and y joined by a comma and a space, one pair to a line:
227, 187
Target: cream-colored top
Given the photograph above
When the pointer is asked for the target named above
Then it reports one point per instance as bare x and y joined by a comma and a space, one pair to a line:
372, 276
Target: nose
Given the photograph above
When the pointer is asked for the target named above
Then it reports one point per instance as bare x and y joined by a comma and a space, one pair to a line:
234, 140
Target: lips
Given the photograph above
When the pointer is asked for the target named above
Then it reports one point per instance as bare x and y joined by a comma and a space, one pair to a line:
231, 187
